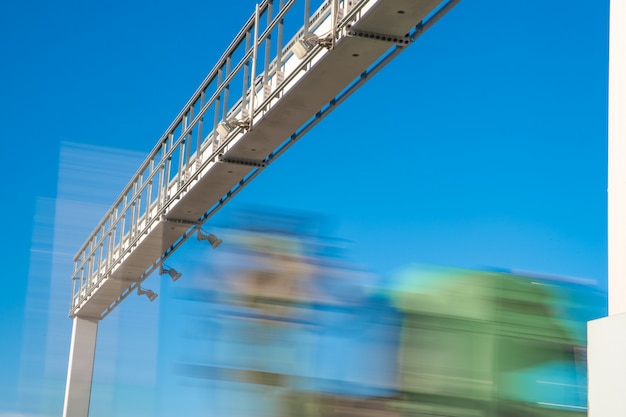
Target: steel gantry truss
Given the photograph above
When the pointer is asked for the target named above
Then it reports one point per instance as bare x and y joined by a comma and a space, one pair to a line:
279, 77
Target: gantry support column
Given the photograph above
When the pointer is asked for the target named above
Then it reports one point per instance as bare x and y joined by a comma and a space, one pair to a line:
617, 158
80, 367
607, 336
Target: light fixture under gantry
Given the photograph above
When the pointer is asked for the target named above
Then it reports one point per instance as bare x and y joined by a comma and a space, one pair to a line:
148, 293
210, 237
174, 274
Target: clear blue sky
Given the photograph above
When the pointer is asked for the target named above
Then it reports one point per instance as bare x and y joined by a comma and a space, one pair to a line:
483, 144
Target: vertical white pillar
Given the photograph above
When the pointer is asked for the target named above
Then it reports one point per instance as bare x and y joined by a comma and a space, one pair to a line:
617, 158
607, 336
607, 366
80, 367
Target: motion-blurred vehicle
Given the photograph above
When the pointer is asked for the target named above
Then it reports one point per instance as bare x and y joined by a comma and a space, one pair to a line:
483, 343
294, 329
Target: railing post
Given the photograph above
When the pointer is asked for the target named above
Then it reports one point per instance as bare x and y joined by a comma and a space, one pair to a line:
255, 51
334, 21
268, 52
226, 88
307, 16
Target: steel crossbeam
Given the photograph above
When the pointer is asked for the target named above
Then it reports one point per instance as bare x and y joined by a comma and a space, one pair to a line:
276, 99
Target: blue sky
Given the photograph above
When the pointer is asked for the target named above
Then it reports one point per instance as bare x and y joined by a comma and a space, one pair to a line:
483, 144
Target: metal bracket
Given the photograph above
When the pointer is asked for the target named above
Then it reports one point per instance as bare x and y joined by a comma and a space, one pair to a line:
398, 40
326, 42
180, 221
237, 161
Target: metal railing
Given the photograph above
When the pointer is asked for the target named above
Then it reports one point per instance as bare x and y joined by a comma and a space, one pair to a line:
249, 75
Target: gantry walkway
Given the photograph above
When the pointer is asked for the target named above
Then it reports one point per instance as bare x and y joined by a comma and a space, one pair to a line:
266, 91
290, 65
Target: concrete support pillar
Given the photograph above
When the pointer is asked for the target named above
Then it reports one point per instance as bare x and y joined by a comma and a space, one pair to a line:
607, 366
80, 367
607, 336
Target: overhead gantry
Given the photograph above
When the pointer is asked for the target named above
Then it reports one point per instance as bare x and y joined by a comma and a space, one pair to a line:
279, 77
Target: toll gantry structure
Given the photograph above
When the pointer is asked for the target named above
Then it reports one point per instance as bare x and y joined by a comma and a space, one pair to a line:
289, 66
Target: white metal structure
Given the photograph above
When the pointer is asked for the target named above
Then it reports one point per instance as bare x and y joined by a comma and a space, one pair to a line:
607, 336
279, 77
